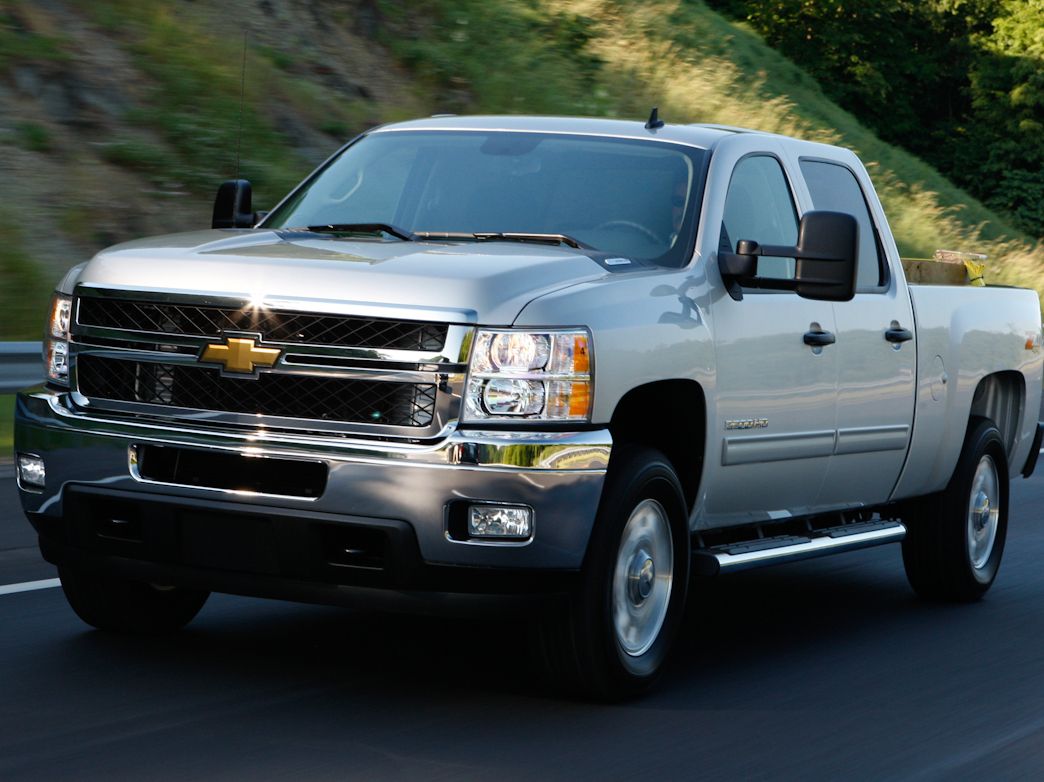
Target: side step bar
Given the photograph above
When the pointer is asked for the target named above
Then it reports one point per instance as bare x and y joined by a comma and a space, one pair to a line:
790, 548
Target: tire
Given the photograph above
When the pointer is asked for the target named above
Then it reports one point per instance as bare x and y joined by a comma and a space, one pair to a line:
611, 640
955, 539
129, 607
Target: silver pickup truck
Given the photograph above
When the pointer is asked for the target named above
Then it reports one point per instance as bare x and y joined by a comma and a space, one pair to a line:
512, 361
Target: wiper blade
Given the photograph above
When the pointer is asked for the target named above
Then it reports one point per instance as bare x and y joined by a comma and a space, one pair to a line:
364, 228
497, 236
503, 236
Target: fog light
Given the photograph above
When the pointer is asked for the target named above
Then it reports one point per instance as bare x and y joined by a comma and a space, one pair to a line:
30, 471
505, 522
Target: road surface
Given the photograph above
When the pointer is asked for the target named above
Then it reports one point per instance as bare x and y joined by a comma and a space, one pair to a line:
828, 669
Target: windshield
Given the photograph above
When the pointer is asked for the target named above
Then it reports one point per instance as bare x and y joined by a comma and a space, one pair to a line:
625, 197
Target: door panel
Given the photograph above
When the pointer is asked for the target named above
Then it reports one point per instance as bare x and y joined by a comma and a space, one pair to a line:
774, 428
876, 377
776, 399
875, 400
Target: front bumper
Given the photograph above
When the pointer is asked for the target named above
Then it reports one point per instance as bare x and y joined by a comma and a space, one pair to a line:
370, 485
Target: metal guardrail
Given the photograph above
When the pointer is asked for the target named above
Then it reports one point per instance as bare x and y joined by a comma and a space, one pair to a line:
20, 366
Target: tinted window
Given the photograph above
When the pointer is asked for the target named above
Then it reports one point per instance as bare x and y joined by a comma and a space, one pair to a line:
759, 207
631, 198
833, 187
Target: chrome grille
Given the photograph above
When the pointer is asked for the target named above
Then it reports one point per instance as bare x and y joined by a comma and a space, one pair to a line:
272, 394
273, 325
137, 353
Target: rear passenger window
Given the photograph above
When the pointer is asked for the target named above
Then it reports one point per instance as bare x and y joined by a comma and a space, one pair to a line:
833, 187
759, 207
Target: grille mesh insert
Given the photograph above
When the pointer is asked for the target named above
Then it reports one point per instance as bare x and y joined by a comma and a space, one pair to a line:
274, 326
272, 394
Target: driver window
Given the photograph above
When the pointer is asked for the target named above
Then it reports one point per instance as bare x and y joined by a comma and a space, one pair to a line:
759, 206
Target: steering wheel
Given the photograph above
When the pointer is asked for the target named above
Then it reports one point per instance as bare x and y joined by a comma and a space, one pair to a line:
636, 227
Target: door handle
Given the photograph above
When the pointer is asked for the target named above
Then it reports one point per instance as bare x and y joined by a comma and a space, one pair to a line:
897, 334
818, 339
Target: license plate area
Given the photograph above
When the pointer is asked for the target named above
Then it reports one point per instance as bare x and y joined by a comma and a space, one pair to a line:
229, 471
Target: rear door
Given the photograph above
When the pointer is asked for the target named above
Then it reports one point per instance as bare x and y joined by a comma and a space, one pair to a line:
875, 353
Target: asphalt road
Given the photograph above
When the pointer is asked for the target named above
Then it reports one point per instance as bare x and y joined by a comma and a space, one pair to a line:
829, 669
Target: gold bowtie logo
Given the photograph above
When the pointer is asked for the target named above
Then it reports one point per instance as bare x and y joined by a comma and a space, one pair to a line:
240, 355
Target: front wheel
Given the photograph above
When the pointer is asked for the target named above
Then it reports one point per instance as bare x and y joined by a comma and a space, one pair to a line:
955, 539
621, 620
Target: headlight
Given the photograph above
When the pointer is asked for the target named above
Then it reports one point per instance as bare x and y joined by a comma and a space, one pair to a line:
540, 375
56, 346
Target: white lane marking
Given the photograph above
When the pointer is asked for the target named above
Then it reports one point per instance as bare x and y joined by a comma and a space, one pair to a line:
29, 586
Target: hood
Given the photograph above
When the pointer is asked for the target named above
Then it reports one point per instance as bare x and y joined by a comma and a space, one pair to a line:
487, 283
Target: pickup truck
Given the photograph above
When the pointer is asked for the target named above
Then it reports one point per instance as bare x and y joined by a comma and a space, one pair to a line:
506, 362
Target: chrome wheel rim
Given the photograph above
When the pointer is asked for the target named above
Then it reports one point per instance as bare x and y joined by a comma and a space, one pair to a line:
642, 578
983, 512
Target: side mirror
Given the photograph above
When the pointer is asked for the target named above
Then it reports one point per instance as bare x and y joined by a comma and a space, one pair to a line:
825, 253
232, 205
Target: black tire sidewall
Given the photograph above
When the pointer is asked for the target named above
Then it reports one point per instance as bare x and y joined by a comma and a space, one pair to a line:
637, 474
936, 552
983, 439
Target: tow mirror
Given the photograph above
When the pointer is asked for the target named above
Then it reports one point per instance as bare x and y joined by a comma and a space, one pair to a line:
232, 205
825, 256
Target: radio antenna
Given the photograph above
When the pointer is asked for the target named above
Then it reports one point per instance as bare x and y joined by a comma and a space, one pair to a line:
242, 98
654, 122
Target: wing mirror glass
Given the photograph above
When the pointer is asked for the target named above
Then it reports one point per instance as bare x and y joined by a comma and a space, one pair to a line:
825, 260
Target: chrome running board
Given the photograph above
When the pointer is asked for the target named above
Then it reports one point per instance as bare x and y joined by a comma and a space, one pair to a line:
790, 548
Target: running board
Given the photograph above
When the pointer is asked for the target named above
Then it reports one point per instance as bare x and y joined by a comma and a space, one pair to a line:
790, 548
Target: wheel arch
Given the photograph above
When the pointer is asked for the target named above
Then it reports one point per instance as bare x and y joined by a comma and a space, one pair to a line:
670, 416
1001, 398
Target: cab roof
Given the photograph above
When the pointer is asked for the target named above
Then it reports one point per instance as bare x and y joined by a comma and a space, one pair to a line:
703, 136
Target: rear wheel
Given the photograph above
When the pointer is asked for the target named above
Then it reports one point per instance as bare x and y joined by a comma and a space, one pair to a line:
955, 539
122, 606
610, 642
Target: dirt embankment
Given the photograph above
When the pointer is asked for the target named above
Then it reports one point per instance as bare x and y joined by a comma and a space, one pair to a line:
119, 119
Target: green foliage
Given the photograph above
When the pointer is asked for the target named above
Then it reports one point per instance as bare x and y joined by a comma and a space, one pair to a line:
1007, 89
280, 59
33, 136
196, 101
24, 289
18, 43
137, 155
497, 56
958, 82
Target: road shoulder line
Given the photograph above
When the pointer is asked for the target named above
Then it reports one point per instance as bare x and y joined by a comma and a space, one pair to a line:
29, 586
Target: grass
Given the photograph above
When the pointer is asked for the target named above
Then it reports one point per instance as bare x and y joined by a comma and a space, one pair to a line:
196, 71
6, 426
20, 43
24, 289
607, 57
33, 137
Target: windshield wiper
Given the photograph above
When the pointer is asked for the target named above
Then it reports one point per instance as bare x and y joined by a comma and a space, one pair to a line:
364, 228
505, 236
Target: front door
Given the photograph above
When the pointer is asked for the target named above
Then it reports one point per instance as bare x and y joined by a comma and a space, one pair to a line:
776, 395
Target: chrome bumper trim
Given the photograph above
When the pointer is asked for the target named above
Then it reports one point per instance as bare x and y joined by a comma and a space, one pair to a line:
569, 452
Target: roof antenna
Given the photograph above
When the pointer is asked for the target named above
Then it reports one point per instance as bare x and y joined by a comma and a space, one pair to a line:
242, 98
654, 119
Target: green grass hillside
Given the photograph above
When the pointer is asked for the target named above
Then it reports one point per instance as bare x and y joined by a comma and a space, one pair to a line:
699, 67
119, 118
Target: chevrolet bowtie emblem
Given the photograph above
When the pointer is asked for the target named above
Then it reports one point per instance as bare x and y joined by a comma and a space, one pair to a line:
240, 355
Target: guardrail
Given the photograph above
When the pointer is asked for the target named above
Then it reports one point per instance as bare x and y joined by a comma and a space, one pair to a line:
20, 366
